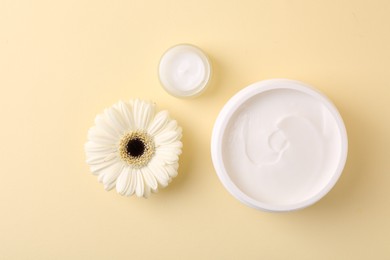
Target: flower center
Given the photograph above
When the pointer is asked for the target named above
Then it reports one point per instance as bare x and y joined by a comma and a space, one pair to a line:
136, 148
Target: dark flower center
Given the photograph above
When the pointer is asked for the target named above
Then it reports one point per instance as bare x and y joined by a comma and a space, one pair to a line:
135, 147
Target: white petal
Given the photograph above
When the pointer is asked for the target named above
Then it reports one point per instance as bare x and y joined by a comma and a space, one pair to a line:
97, 135
109, 186
98, 167
139, 189
112, 173
97, 130
143, 114
159, 173
146, 192
174, 148
132, 183
170, 150
100, 177
168, 157
159, 121
102, 123
97, 158
165, 137
179, 131
101, 140
127, 115
172, 169
115, 119
149, 179
92, 147
177, 145
171, 126
123, 180
175, 166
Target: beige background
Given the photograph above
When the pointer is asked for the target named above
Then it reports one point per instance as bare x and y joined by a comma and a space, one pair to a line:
62, 62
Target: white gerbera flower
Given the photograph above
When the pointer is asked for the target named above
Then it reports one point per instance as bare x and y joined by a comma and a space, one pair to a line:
133, 149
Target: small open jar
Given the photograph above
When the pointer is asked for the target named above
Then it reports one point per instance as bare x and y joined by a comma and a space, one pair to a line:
184, 71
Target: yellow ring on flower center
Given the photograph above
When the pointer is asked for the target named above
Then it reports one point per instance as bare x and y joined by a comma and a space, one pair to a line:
136, 148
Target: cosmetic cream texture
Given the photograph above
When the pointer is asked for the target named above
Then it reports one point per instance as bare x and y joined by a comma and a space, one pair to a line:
281, 146
184, 70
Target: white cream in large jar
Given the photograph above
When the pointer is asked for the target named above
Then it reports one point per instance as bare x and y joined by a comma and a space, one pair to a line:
279, 145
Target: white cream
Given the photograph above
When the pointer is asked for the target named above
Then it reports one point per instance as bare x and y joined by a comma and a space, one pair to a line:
279, 145
184, 70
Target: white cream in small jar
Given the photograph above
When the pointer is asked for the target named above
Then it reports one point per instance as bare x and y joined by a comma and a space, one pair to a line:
279, 145
184, 70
